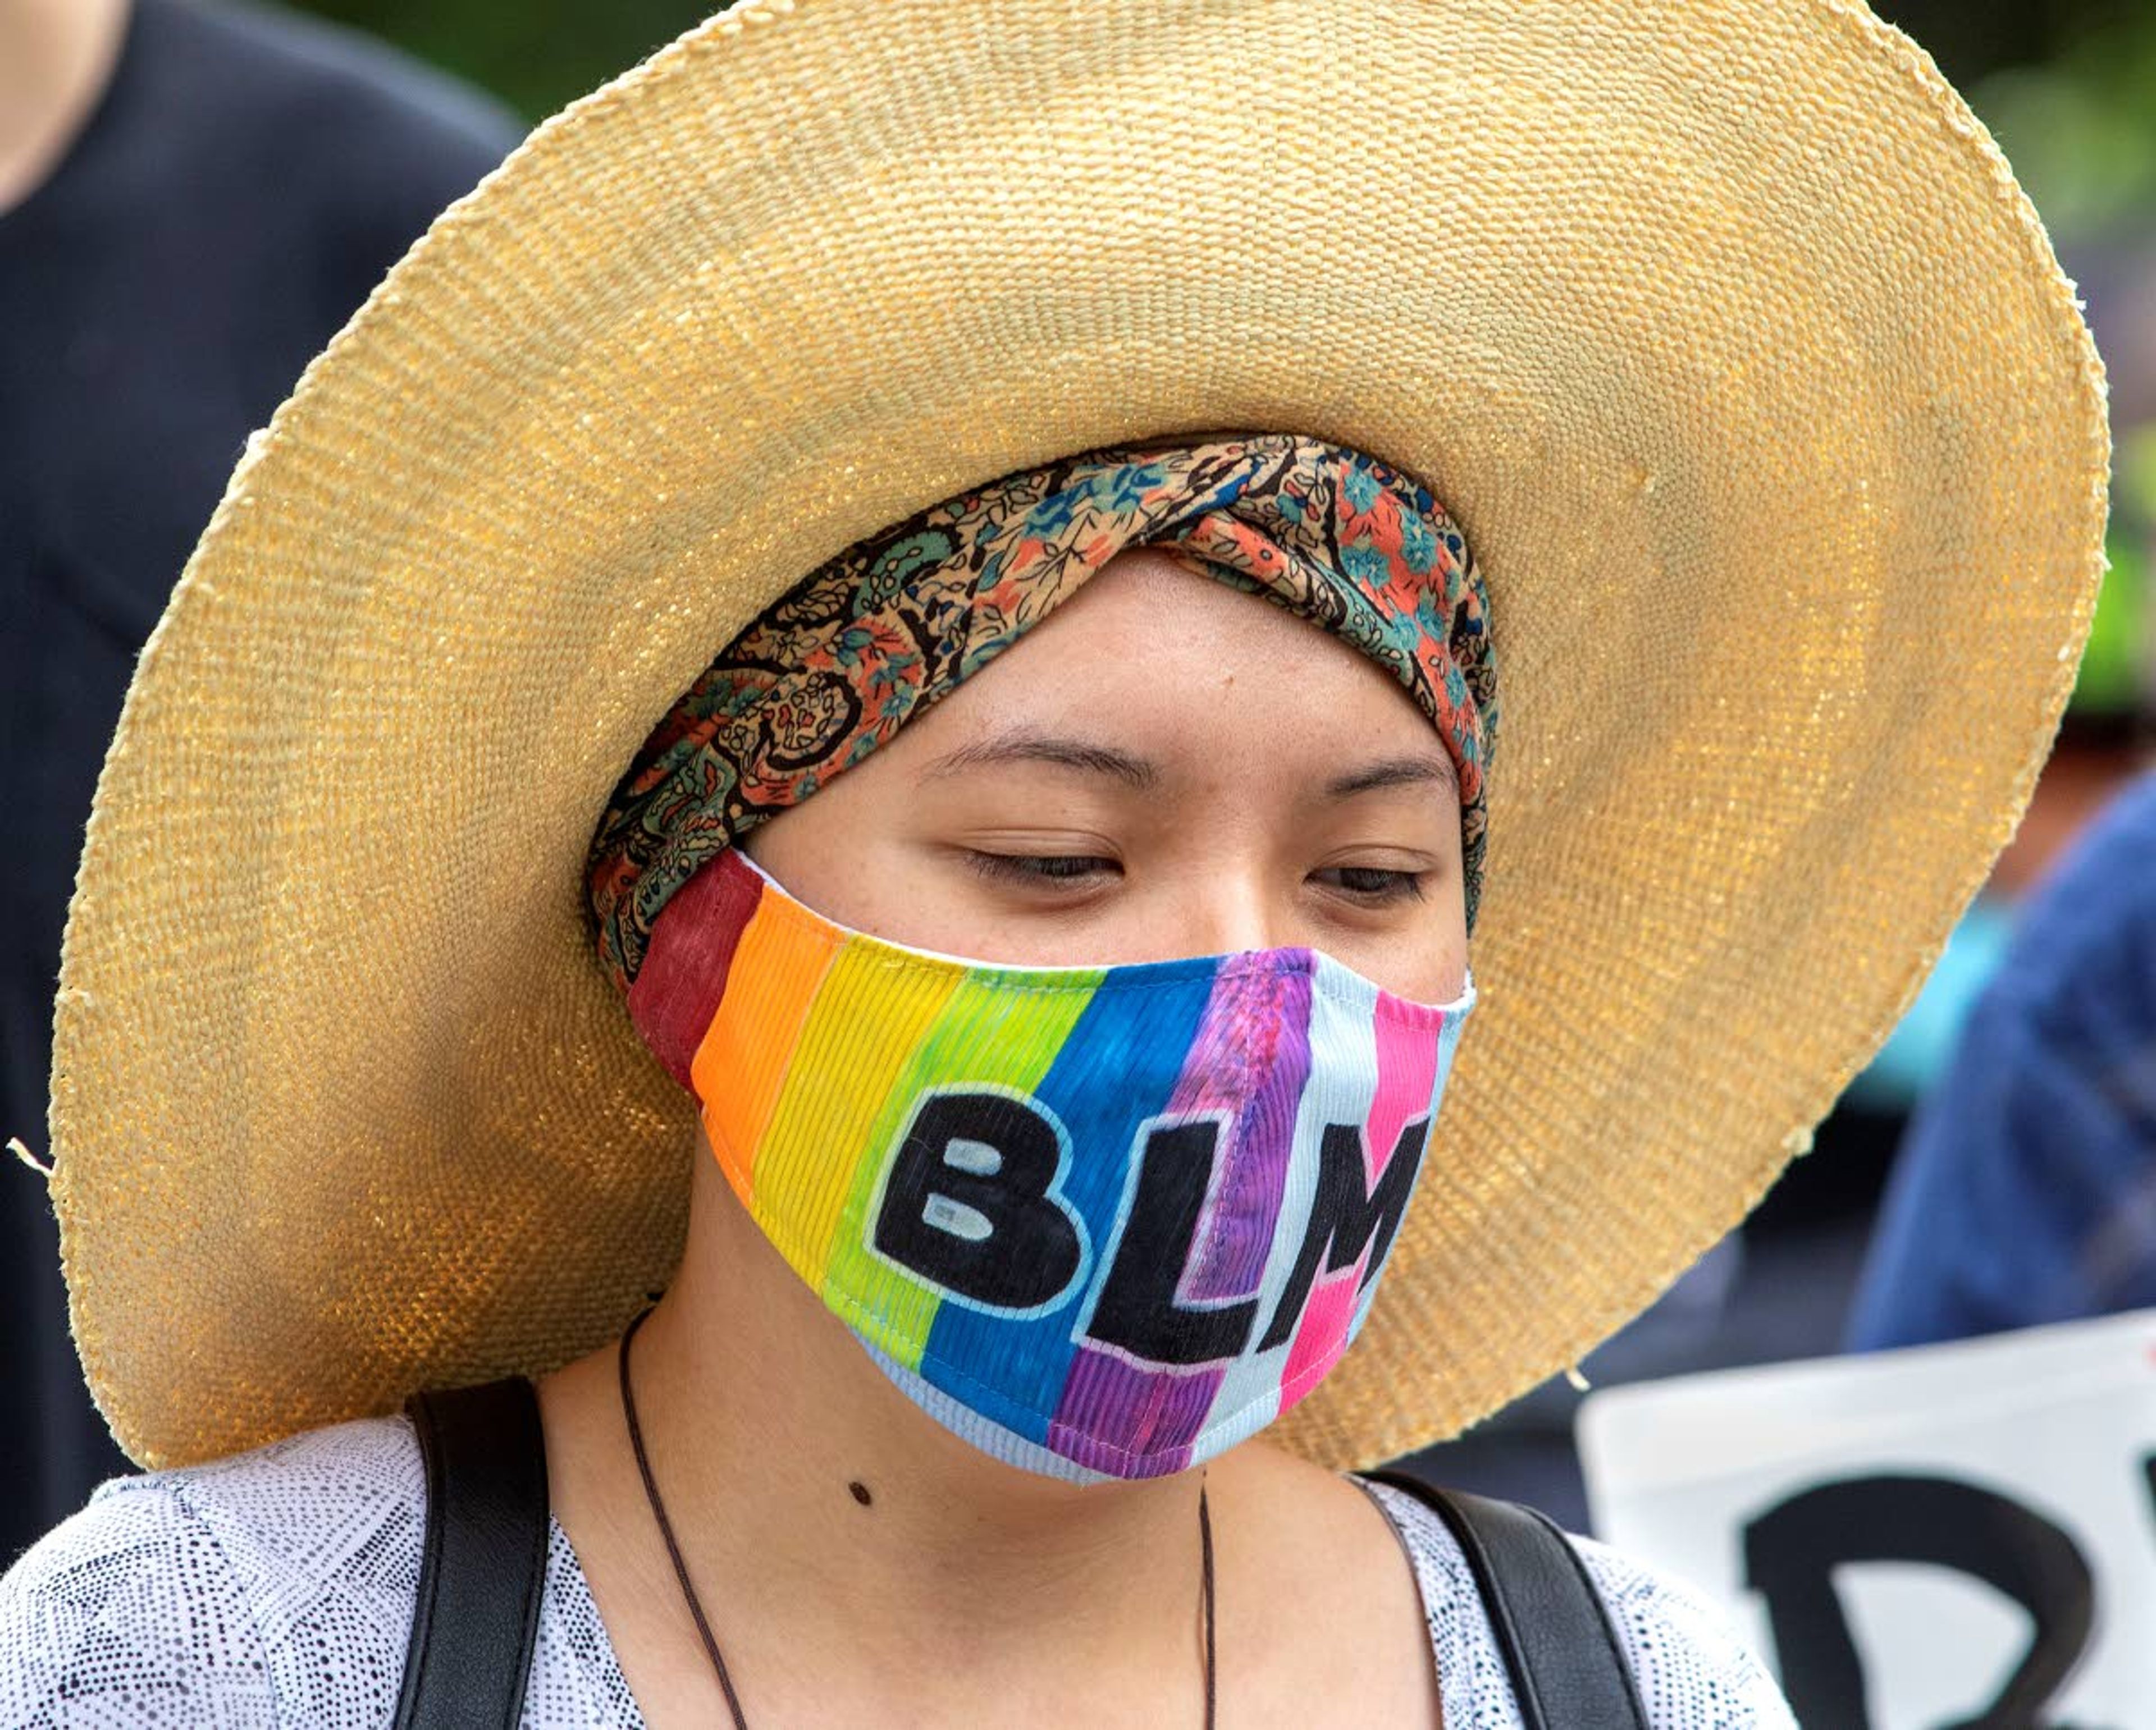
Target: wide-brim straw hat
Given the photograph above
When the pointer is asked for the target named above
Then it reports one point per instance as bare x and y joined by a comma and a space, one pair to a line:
1721, 329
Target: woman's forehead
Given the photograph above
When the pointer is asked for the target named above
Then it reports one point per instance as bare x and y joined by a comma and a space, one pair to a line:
1139, 742
1153, 659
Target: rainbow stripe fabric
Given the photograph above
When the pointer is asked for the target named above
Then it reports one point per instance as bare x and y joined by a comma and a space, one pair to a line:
1101, 1221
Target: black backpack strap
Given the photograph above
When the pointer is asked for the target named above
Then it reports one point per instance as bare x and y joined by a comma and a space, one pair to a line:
484, 1568
1568, 1671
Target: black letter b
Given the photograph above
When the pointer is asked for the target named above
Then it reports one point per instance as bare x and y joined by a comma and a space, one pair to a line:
967, 1205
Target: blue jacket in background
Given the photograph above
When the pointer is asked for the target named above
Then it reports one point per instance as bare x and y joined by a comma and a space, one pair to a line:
2026, 1191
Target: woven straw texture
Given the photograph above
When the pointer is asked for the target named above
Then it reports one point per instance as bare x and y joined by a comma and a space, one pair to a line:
1722, 329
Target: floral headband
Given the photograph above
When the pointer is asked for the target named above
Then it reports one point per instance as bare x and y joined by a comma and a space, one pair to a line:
872, 636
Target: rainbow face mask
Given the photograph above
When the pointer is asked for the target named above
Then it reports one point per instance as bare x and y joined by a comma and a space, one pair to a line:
1098, 1221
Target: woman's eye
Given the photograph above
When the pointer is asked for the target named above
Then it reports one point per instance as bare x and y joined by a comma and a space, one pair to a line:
1367, 883
1041, 867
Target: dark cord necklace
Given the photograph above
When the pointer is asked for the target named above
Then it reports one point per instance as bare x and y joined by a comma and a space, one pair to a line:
703, 1622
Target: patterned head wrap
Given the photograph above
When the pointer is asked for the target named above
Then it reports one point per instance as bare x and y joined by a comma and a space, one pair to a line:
844, 659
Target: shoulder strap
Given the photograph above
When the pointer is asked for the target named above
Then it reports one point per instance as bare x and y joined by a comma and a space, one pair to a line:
1568, 1671
484, 1568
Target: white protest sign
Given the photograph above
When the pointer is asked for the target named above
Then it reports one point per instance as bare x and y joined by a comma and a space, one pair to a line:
1958, 1535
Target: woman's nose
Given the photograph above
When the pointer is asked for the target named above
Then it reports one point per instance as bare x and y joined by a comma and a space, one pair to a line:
1228, 910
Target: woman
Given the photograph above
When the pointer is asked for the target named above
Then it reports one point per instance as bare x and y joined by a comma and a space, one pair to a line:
1050, 915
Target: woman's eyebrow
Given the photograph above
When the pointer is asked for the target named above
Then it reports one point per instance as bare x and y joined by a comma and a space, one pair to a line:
1087, 757
1419, 769
1055, 750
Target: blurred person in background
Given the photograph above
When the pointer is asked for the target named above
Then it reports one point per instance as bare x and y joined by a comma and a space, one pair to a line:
2026, 1192
193, 198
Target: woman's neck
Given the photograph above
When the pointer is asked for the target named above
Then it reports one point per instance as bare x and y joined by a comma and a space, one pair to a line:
55, 58
818, 1509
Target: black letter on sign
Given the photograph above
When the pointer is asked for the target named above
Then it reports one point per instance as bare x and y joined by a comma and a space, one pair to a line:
967, 1205
1791, 1552
1137, 1309
1344, 1216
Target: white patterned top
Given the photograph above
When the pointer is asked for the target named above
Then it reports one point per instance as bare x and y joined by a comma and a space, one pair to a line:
275, 1589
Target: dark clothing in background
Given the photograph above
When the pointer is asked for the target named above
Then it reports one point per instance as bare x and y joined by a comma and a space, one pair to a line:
246, 179
2025, 1192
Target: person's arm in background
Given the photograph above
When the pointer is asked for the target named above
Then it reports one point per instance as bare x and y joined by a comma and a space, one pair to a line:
193, 198
2026, 1191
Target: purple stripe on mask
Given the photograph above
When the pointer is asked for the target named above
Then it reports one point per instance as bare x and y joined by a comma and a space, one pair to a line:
1114, 1414
1246, 1069
1251, 1061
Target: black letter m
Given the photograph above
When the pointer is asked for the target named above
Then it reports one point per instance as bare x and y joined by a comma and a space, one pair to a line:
1344, 1216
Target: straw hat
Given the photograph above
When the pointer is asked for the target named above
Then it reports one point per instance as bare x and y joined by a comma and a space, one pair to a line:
1721, 329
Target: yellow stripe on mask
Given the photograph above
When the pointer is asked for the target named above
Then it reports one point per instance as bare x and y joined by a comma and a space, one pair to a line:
991, 1035
820, 1134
